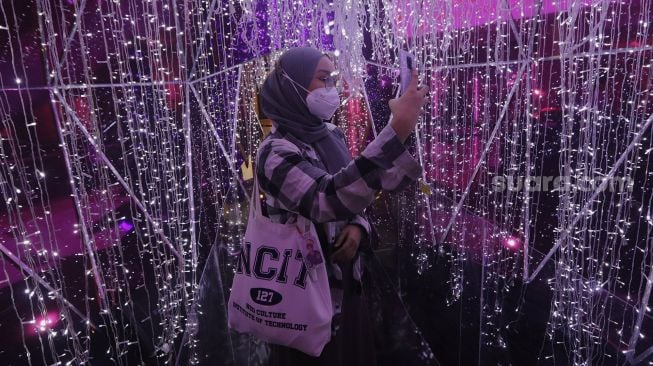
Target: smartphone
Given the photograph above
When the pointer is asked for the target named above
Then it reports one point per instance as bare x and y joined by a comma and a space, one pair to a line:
405, 70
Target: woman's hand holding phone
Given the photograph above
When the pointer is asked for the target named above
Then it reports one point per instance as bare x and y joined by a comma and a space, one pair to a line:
407, 108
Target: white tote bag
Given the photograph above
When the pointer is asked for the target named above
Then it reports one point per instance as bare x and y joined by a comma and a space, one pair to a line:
280, 291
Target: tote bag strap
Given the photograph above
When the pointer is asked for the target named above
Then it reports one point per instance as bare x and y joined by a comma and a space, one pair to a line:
255, 200
303, 224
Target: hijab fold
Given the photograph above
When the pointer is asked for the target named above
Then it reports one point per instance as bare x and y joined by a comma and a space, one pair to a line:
285, 105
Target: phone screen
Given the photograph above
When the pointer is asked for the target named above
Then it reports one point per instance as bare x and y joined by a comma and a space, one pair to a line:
405, 68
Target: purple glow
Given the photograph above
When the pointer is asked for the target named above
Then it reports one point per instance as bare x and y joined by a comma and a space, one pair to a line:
511, 242
44, 323
125, 226
471, 13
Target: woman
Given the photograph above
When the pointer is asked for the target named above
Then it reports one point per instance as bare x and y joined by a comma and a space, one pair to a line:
304, 167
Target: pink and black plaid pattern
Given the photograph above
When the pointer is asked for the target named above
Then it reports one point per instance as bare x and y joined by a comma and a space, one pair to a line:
294, 180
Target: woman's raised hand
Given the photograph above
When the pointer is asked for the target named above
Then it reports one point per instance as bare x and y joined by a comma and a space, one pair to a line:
407, 108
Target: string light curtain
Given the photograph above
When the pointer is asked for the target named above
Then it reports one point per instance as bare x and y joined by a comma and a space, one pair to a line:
536, 149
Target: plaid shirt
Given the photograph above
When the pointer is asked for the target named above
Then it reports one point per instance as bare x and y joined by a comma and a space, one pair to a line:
295, 180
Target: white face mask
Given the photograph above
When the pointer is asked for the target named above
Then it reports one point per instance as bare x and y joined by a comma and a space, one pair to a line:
321, 102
